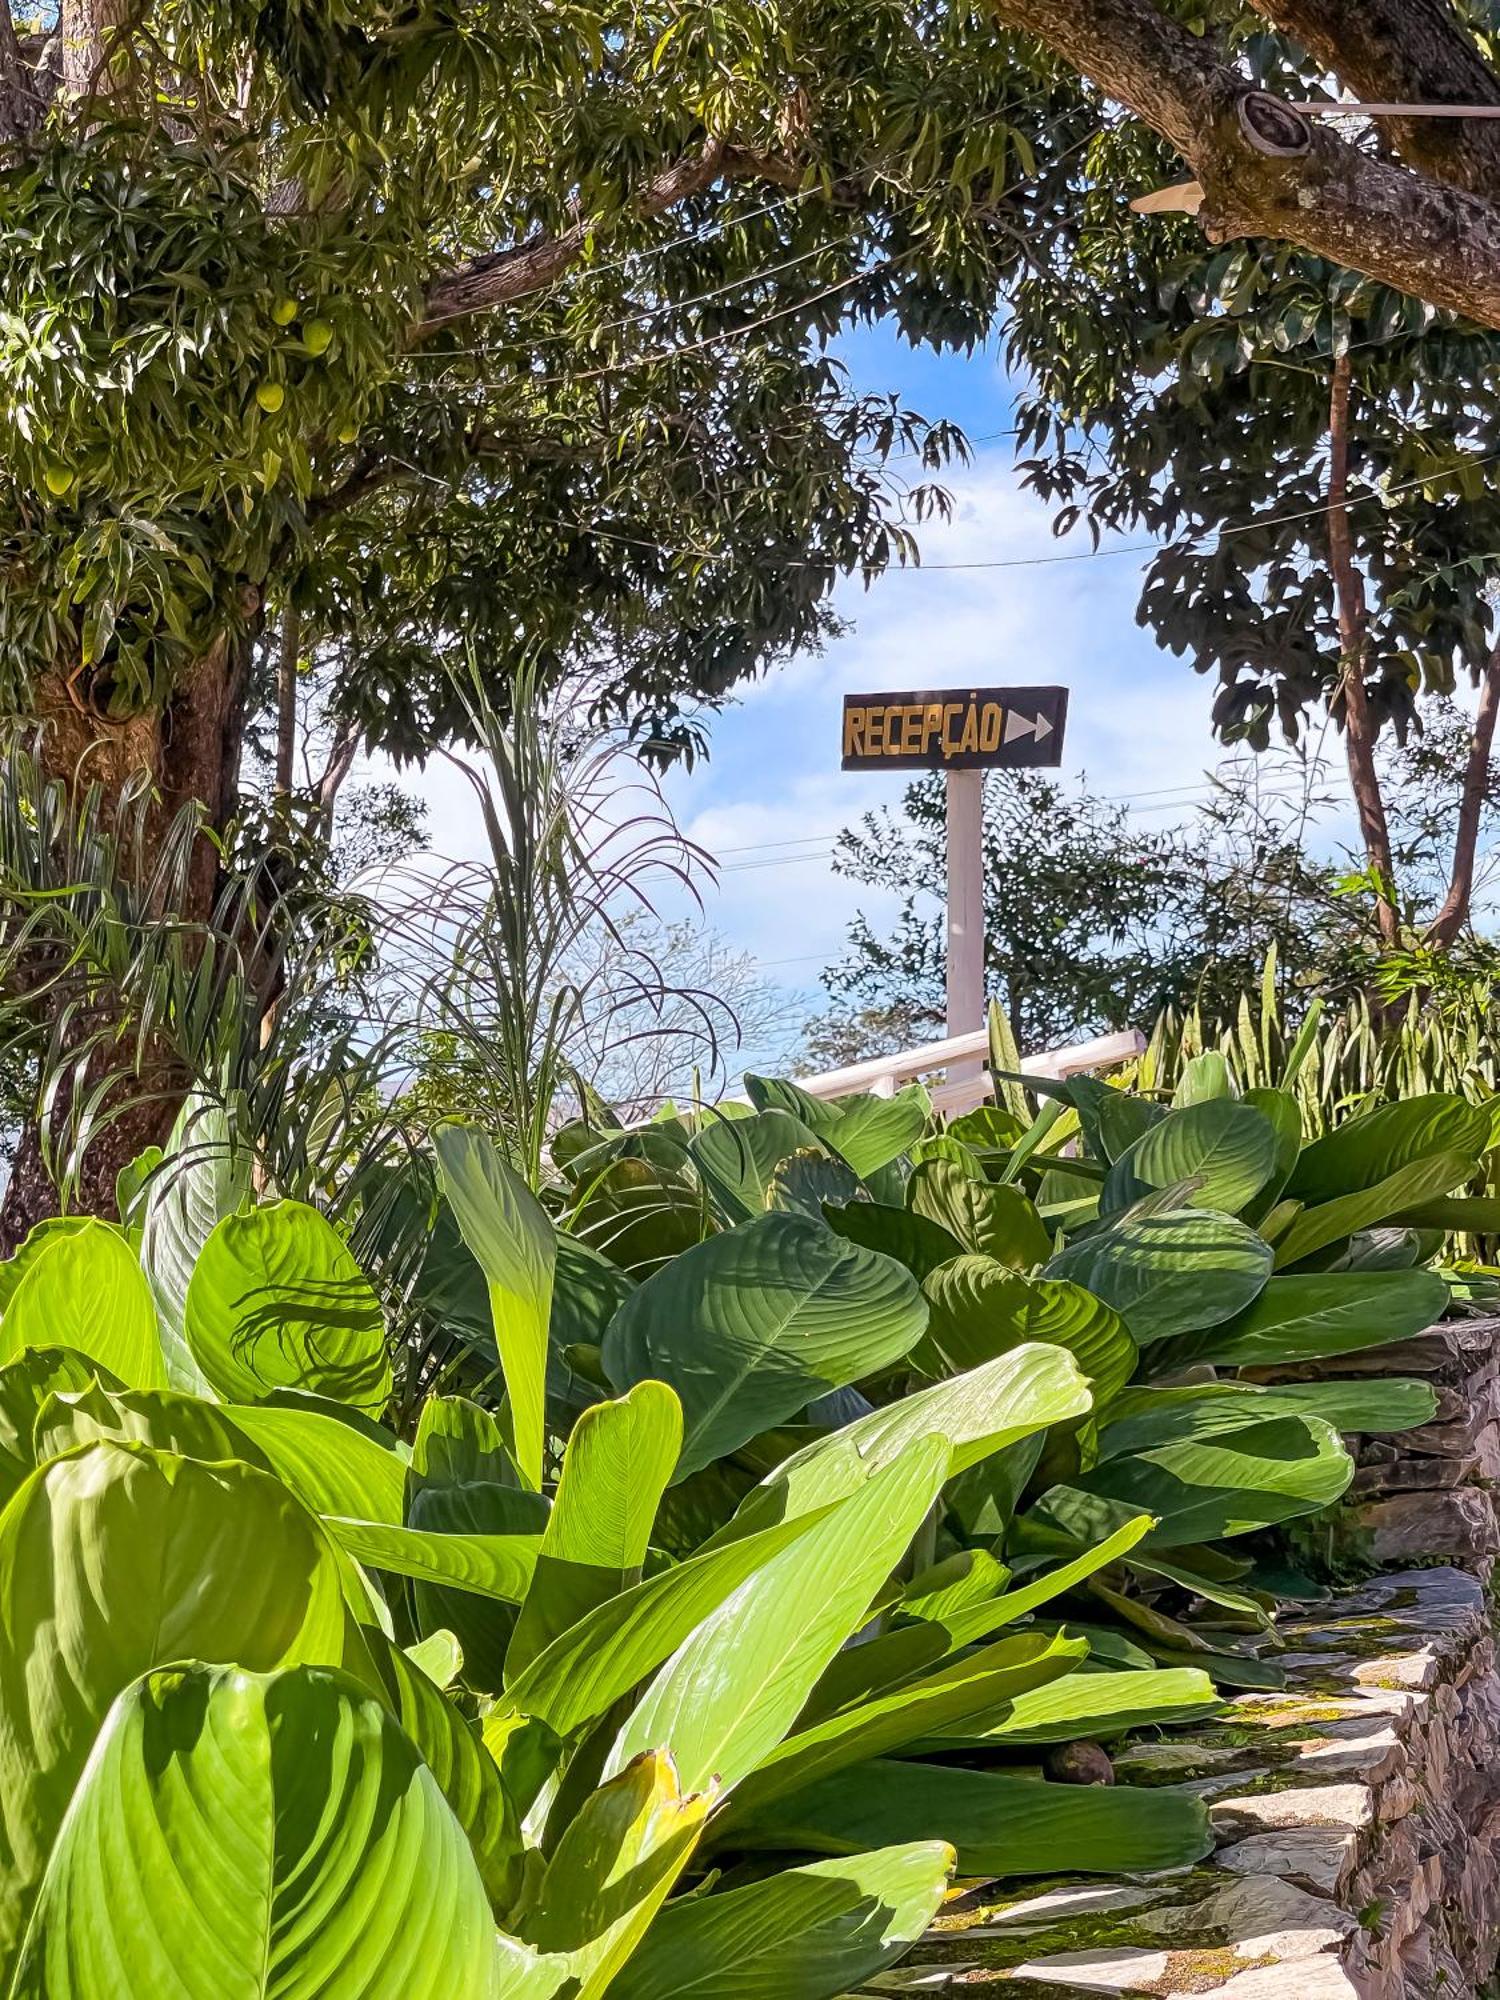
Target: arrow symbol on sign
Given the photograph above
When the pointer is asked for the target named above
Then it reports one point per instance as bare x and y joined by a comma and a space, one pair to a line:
1017, 724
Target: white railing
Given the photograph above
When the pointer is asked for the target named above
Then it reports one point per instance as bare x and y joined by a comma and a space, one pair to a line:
882, 1076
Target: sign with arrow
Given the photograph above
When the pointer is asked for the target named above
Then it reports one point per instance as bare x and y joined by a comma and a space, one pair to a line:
957, 729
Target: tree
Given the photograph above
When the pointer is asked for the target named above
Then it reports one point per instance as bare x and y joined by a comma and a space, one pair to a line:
1316, 450
1410, 205
366, 335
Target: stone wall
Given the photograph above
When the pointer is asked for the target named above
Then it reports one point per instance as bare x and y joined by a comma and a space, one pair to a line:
1357, 1813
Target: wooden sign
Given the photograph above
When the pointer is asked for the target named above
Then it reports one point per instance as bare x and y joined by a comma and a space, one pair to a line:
957, 729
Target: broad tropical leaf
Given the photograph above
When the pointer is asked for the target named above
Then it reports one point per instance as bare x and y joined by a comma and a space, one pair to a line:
159, 1417
333, 1466
1225, 1148
26, 1384
738, 1158
1307, 1316
1101, 1706
1316, 1228
995, 1221
913, 1240
497, 1566
278, 1301
84, 1288
754, 1324
1169, 1273
1144, 1418
1365, 1151
204, 1176
976, 1308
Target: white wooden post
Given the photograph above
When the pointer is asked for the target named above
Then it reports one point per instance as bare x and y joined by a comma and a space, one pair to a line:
965, 912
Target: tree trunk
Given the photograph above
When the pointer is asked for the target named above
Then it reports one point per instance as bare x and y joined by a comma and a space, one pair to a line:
190, 750
1454, 915
1359, 730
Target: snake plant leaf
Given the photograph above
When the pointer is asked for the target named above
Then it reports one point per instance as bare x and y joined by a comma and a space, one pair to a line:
205, 1175
332, 1466
913, 1240
824, 1928
963, 1697
611, 1871
116, 1560
510, 1234
978, 1413
999, 1823
976, 1308
737, 1158
1168, 1273
285, 1837
737, 1683
1230, 1485
990, 1219
1365, 1151
26, 1384
614, 1647
85, 1289
1419, 1180
1096, 1706
1144, 1418
278, 1301
616, 1467
1225, 1148
753, 1324
1307, 1316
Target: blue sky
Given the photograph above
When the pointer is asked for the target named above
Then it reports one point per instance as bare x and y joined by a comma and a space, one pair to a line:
771, 795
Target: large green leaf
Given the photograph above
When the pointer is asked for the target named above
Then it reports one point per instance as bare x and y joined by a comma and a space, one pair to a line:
991, 1220
618, 1461
913, 1240
811, 1179
332, 1466
503, 1524
115, 1560
85, 1289
277, 1301
1103, 1705
26, 1384
977, 1621
1229, 1485
738, 1158
804, 1934
1307, 1316
1331, 1221
160, 1417
510, 1234
204, 1176
737, 1683
497, 1566
1144, 1418
999, 1823
1225, 1148
614, 1647
976, 1308
1364, 1151
609, 1874
754, 1324
1168, 1273
871, 1132
977, 1413
45, 1233
284, 1837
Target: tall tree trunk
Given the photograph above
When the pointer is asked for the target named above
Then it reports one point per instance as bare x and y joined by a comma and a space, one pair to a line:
1454, 915
191, 751
1359, 730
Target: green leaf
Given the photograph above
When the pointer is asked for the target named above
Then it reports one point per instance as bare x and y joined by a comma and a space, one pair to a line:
159, 1417
277, 1301
618, 1461
584, 1671
204, 1177
1365, 1151
1315, 1228
1104, 1705
871, 1132
977, 1413
332, 1467
285, 1837
116, 1560
494, 1566
1169, 1273
977, 1621
807, 1180
1145, 1418
977, 1309
508, 1231
1203, 1079
38, 1239
808, 1932
84, 1289
587, 1292
913, 1240
27, 1384
1306, 1316
1227, 1149
991, 1220
459, 1443
737, 1683
738, 1158
998, 1823
1231, 1485
753, 1324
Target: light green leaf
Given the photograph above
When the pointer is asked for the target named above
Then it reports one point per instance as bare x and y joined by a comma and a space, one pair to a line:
333, 1467
38, 1239
755, 1323
1170, 1273
821, 1929
285, 1837
871, 1132
1144, 1418
737, 1683
494, 1566
115, 1560
1203, 1079
159, 1417
204, 1177
805, 1181
1100, 1706
990, 1220
618, 1461
977, 1621
26, 1385
1304, 1317
1227, 1149
85, 1289
510, 1234
277, 1301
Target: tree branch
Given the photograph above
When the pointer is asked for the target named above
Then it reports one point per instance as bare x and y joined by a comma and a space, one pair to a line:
1473, 795
1267, 171
1406, 52
20, 100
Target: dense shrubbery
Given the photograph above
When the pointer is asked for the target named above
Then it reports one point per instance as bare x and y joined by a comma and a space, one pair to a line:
529, 1666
